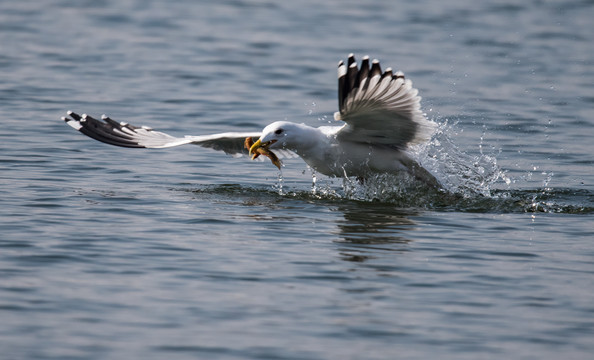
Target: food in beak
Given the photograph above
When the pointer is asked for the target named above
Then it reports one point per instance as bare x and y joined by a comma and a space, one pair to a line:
256, 149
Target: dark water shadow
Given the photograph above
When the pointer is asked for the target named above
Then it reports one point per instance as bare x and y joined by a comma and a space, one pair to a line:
359, 228
371, 228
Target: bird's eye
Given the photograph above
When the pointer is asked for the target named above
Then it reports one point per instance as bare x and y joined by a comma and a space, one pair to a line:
279, 131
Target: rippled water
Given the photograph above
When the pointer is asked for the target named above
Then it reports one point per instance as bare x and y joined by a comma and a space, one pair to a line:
187, 253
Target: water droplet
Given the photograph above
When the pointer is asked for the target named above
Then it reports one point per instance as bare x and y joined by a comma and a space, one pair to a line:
279, 184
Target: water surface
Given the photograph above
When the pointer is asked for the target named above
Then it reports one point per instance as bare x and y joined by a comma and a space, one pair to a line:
186, 253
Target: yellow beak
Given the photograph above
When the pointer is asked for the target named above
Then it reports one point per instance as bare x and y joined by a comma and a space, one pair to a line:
258, 148
255, 146
260, 145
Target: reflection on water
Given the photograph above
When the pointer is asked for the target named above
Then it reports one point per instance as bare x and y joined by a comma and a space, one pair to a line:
359, 224
371, 227
363, 230
372, 223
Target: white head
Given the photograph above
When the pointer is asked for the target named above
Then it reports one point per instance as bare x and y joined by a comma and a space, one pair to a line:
281, 135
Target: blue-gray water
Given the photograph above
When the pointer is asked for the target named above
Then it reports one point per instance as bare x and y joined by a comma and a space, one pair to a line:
111, 253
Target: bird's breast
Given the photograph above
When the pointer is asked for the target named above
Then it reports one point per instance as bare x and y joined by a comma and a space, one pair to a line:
353, 159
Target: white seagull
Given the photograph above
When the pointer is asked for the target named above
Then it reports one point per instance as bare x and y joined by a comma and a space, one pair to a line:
380, 115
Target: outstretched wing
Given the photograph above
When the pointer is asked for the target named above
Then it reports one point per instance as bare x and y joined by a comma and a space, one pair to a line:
379, 108
122, 134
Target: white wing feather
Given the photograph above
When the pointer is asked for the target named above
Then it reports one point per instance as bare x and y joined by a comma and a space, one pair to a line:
122, 134
379, 108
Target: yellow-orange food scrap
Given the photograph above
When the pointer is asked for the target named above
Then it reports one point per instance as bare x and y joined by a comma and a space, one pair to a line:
262, 151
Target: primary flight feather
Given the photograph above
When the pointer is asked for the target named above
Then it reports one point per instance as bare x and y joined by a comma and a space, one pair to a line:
380, 111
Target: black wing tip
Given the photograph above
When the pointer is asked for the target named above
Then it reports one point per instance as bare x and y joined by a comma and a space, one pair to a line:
351, 59
351, 77
73, 115
376, 68
105, 130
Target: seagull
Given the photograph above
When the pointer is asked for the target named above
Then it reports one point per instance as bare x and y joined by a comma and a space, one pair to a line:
379, 118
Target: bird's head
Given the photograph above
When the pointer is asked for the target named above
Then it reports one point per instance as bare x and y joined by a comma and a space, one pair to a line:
278, 135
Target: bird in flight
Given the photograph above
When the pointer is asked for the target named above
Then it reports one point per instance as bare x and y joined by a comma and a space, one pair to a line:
379, 118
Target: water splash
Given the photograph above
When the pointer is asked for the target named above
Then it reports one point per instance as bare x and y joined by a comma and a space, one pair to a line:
409, 196
462, 176
539, 203
472, 183
314, 179
459, 172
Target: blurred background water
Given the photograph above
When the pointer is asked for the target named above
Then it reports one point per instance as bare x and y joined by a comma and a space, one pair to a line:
187, 253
